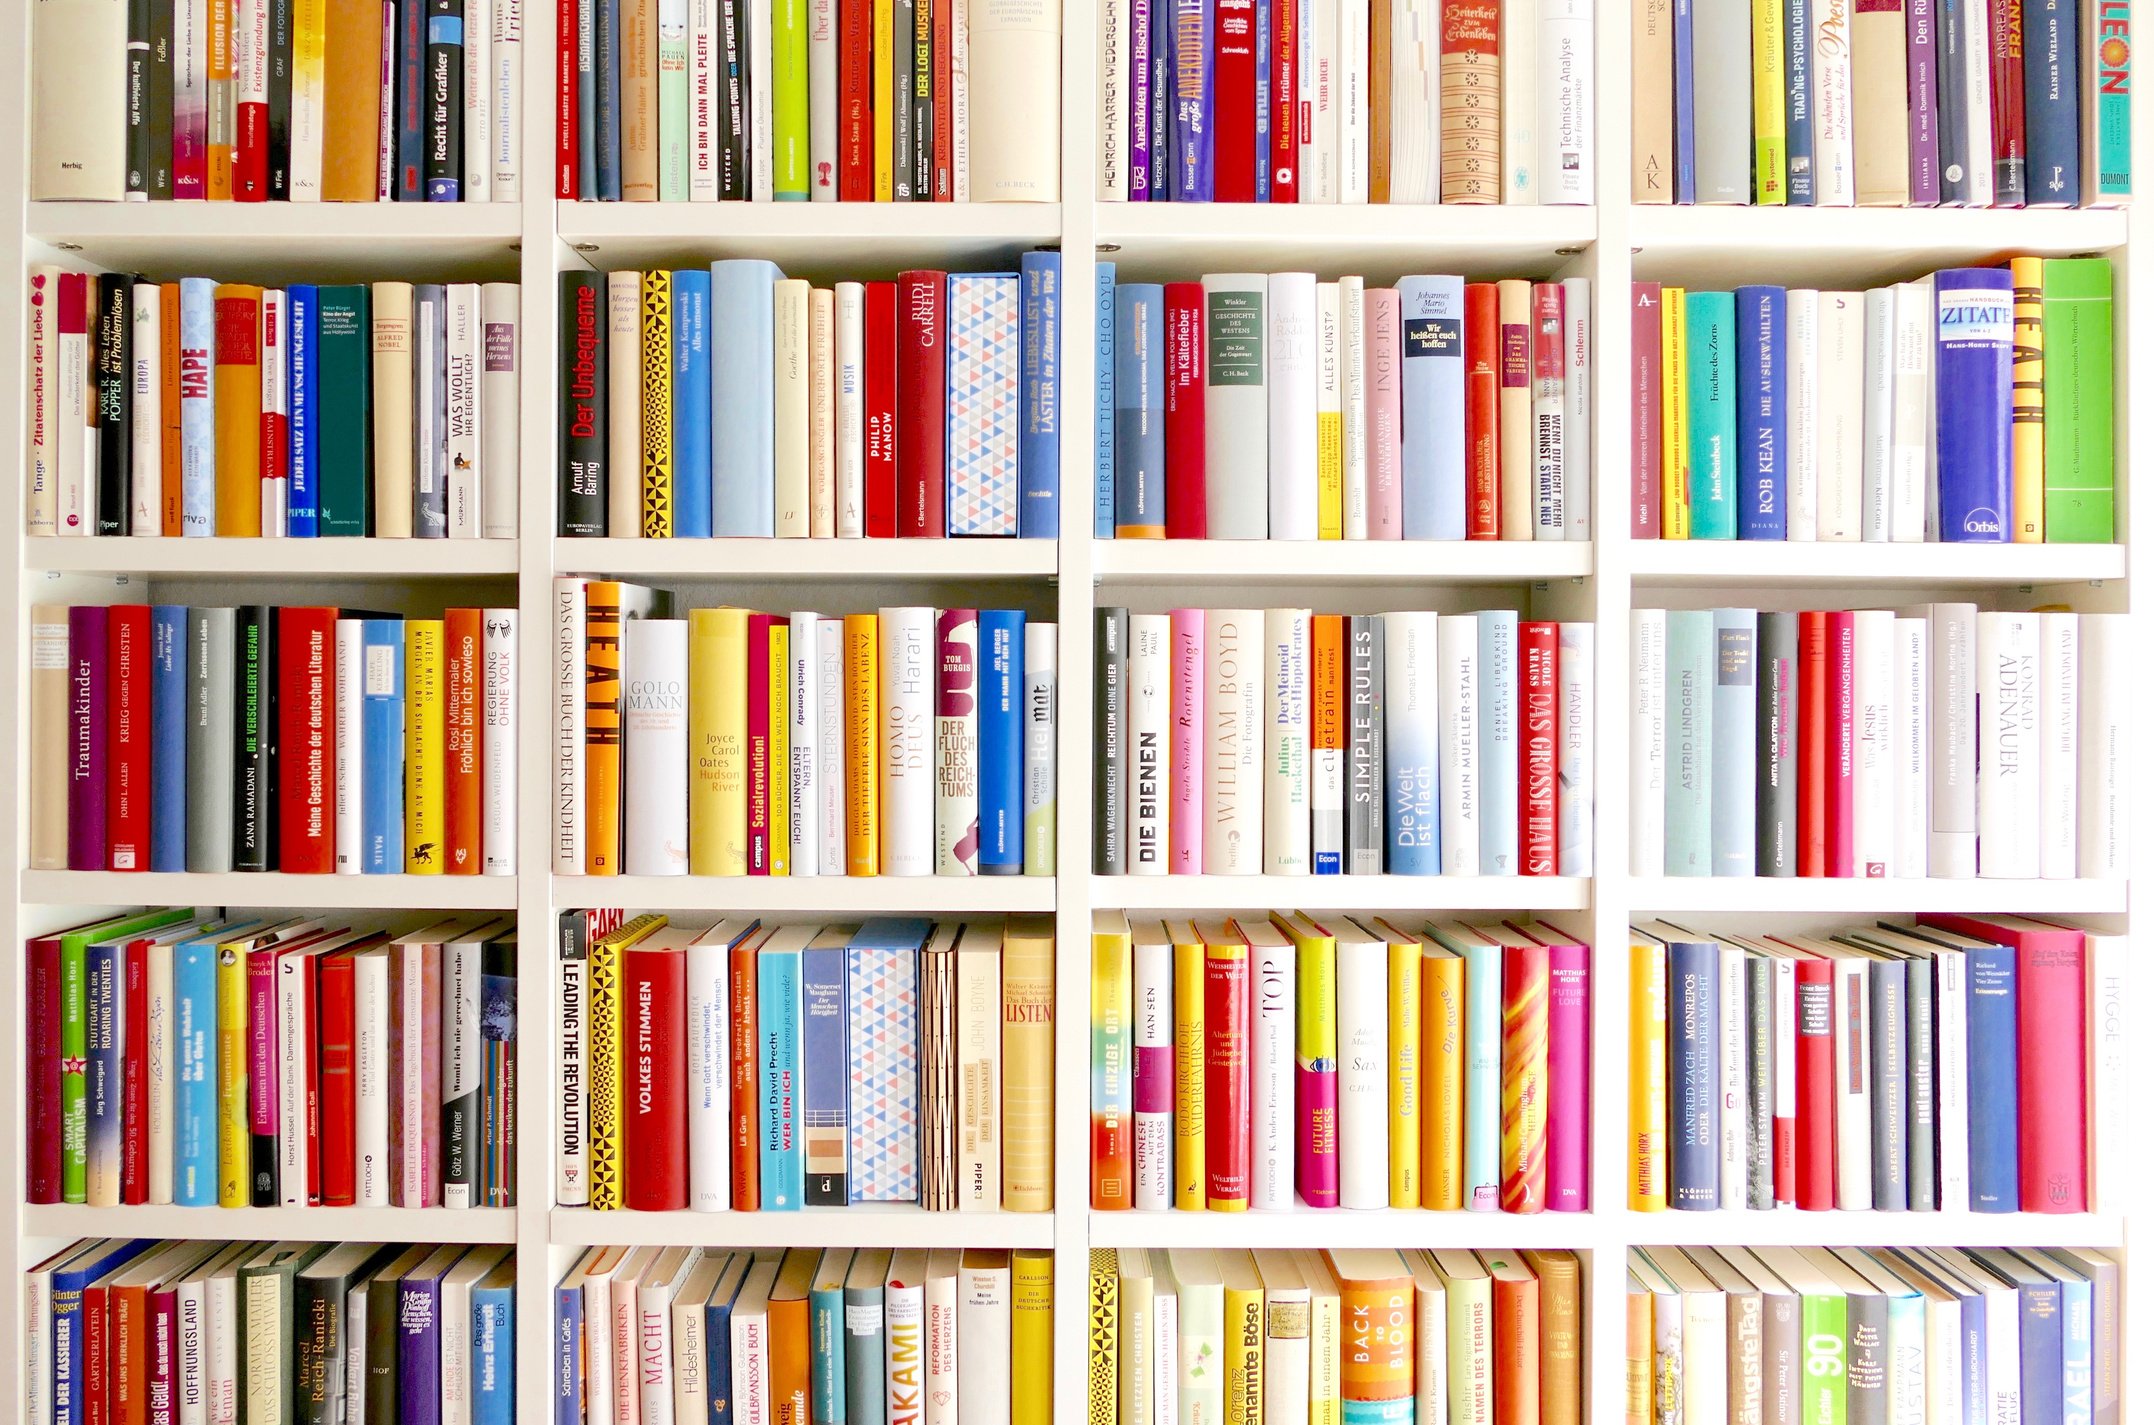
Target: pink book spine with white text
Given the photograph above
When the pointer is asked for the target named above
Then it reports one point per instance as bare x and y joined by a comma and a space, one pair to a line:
1570, 1045
1185, 806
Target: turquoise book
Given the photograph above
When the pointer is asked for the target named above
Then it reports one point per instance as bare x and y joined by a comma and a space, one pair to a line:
1689, 792
1484, 1060
826, 1339
777, 1010
194, 1041
1496, 722
744, 450
1710, 318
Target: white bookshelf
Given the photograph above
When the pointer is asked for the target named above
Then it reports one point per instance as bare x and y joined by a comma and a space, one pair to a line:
1601, 581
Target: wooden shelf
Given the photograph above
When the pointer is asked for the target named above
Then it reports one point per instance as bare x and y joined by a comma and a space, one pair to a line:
1183, 240
862, 1225
301, 1224
275, 558
272, 889
1852, 247
840, 896
286, 241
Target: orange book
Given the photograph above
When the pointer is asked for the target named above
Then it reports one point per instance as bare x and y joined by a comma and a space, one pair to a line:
460, 737
238, 373
1637, 1354
1327, 743
168, 339
1516, 1306
1443, 1078
1562, 1336
863, 815
351, 104
602, 728
791, 1342
1376, 1356
747, 1155
127, 1353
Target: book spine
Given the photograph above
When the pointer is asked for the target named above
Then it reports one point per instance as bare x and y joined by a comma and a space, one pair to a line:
1103, 358
1352, 380
905, 794
1236, 413
1285, 748
1645, 410
1140, 493
1110, 670
1410, 744
1327, 745
1233, 789
1001, 742
654, 725
1039, 738
922, 401
1316, 1071
1546, 354
957, 748
1538, 715
1152, 1075
709, 1079
1993, 1077
1381, 373
1271, 1075
1227, 1081
1366, 777
1761, 411
1142, 735
1524, 1186
1432, 343
1039, 448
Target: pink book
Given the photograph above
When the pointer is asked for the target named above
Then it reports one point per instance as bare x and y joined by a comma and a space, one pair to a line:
1185, 782
262, 1066
1570, 1053
1381, 364
415, 1074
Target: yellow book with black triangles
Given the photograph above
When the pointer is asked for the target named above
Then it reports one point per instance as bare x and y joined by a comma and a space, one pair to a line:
1102, 1349
602, 1089
863, 813
425, 758
718, 742
657, 408
781, 749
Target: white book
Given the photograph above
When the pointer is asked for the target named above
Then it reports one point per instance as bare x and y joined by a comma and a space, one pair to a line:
1432, 1343
1458, 733
1574, 749
1950, 1078
1954, 816
1911, 746
1286, 1341
1152, 1028
478, 169
2109, 1149
1200, 1302
1577, 408
42, 310
146, 412
569, 601
1840, 412
1111, 181
789, 354
1320, 143
2105, 685
75, 445
1734, 1070
276, 336
957, 742
160, 1068
1832, 103
804, 772
461, 359
1353, 405
751, 1344
497, 743
704, 68
1520, 42
190, 1358
1783, 1053
1879, 363
624, 408
1272, 1137
1233, 776
1364, 1073
2008, 703
1802, 413
905, 744
505, 59
1145, 750
456, 1334
822, 409
1565, 100
709, 1020
655, 1296
939, 1397
686, 1340
295, 1057
960, 104
830, 744
1874, 767
1851, 1071
1648, 705
979, 1077
654, 735
224, 1331
500, 368
904, 1331
1166, 1340
1981, 149
1290, 396
983, 1336
1039, 749
759, 23
851, 453
370, 1078
1286, 740
1349, 102
1914, 326
823, 100
1416, 132
1237, 416
2059, 712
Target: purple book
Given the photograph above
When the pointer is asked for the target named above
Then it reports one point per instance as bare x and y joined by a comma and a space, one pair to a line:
86, 738
1974, 405
1925, 182
1139, 81
418, 1340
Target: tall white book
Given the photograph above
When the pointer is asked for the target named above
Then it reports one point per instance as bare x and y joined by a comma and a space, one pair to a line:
276, 337
1145, 749
506, 139
351, 742
707, 963
1911, 746
704, 69
1954, 816
1458, 716
2059, 711
983, 1336
2008, 700
939, 1385
1520, 39
957, 745
1851, 1082
478, 94
2105, 683
1351, 99
1875, 827
1981, 145
1233, 779
1801, 448
501, 366
1733, 1063
904, 1328
1950, 1077
830, 744
1416, 67
851, 448
1290, 392
905, 778
1320, 142
751, 1338
160, 1065
1574, 749
497, 743
1832, 104
822, 407
790, 406
1648, 709
1914, 328
1272, 1138
1880, 335
654, 734
1152, 1039
1364, 1076
805, 772
146, 411
1286, 741
1353, 410
1565, 99
1039, 749
370, 1079
823, 99
1237, 420
1840, 410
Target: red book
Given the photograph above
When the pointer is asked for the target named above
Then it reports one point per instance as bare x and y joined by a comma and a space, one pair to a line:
1227, 1009
41, 1062
96, 1365
1286, 125
336, 1054
463, 667
1484, 353
306, 740
2052, 1054
856, 91
923, 399
2008, 101
1814, 1106
879, 408
747, 1125
1810, 744
761, 784
1839, 743
1645, 412
250, 149
1234, 157
305, 964
941, 168
134, 1073
566, 117
127, 734
1545, 455
654, 1090
1537, 747
1185, 410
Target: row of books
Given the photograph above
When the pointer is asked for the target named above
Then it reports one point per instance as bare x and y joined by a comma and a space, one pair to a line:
1935, 742
1248, 406
302, 739
907, 742
200, 408
1961, 1063
1281, 1062
793, 100
738, 401
1376, 1334
319, 1061
1234, 742
773, 1067
833, 1334
240, 100
1994, 103
376, 1334
1788, 1334
1346, 101
1973, 406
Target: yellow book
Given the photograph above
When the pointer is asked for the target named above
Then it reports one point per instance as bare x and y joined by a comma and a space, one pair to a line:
1028, 1063
1326, 1337
2027, 401
1244, 1337
310, 79
657, 405
236, 390
718, 742
1032, 1337
1135, 1365
1188, 1065
1316, 1049
602, 1062
1674, 417
781, 748
1102, 1351
1768, 114
1403, 981
1113, 1168
232, 1142
863, 816
1648, 1075
425, 759
1330, 418
1443, 1078
884, 102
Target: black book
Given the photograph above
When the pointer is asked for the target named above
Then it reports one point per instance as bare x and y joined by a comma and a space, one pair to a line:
163, 38
444, 101
113, 357
138, 97
321, 1336
903, 141
497, 1096
1779, 682
253, 834
733, 99
1110, 666
280, 99
583, 403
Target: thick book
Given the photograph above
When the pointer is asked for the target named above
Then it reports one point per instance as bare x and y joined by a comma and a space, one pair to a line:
1432, 347
1236, 415
1761, 412
922, 404
1975, 415
1140, 449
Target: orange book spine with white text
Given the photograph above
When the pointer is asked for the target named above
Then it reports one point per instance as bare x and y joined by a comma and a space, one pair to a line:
464, 670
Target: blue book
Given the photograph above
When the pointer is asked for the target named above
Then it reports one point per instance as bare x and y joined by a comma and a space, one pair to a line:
68, 1282
586, 106
1711, 399
865, 1393
1039, 441
718, 1340
1735, 742
198, 417
1103, 401
105, 1029
1193, 101
824, 1072
1974, 404
1694, 1075
1002, 742
1761, 320
1263, 45
1159, 112
168, 737
381, 748
1801, 137
1992, 1078
1496, 729
606, 112
2075, 1291
493, 1347
1432, 406
2041, 1334
744, 452
1141, 78
1689, 790
2050, 43
691, 404
777, 1027
882, 972
303, 486
1140, 412
1484, 1071
1686, 109
194, 1010
1410, 759
410, 101
826, 1339
568, 1355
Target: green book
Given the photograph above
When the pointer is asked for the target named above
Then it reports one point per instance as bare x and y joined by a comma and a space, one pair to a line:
673, 104
345, 357
75, 1038
789, 101
1710, 320
2078, 402
1824, 1357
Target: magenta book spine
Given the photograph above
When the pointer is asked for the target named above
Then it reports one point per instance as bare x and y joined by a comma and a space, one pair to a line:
1570, 1013
1185, 808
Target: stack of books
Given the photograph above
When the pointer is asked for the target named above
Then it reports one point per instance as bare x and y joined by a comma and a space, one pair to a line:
1935, 742
270, 1330
1972, 406
700, 1333
308, 740
1255, 1063
738, 401
1247, 406
200, 408
248, 101
1395, 101
908, 742
319, 1061
1828, 103
1233, 742
774, 1067
1961, 1063
1372, 1334
1851, 1333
